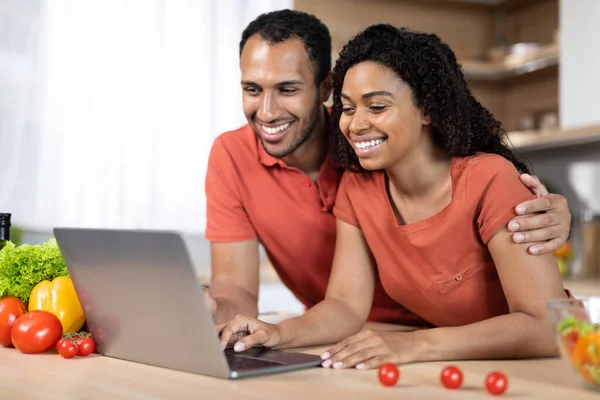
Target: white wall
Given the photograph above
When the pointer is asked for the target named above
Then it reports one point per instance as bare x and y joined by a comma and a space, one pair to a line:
579, 88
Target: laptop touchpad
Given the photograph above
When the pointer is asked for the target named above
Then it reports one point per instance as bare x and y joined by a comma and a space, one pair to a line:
250, 359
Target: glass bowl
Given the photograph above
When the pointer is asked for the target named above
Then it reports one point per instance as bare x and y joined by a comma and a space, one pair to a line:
575, 323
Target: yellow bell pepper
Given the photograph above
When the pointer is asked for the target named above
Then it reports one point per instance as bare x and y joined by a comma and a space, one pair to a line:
59, 298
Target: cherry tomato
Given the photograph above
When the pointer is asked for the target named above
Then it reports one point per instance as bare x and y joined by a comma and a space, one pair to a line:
36, 332
570, 340
86, 346
389, 374
67, 348
451, 377
496, 383
11, 308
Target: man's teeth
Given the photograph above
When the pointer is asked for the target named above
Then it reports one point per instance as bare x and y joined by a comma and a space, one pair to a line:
364, 145
273, 131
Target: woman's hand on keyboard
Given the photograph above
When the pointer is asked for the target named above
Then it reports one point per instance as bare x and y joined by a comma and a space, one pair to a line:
244, 332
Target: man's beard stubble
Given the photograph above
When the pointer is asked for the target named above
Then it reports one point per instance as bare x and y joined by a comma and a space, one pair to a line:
299, 140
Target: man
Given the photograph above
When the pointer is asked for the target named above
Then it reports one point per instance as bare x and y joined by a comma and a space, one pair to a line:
271, 181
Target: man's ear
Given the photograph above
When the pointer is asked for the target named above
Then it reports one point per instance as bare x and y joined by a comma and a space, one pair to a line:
425, 117
325, 88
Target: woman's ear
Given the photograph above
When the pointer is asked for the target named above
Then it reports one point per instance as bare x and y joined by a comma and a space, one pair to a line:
325, 88
425, 117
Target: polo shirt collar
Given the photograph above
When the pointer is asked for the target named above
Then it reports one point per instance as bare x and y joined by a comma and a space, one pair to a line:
328, 173
265, 158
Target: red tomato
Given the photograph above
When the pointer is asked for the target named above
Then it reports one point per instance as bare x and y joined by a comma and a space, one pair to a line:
67, 348
36, 332
496, 383
570, 340
11, 308
451, 377
86, 346
388, 374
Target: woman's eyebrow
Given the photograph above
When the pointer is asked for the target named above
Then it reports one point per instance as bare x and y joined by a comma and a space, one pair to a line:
370, 94
377, 93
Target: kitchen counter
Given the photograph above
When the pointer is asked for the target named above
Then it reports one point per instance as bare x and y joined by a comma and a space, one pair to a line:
49, 376
583, 287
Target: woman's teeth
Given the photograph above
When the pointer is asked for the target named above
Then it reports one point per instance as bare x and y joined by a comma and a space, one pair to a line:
364, 145
276, 130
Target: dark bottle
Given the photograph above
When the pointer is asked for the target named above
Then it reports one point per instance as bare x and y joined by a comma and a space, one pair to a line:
4, 229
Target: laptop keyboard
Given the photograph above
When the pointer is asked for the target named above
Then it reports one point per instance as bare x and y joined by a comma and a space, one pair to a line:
240, 363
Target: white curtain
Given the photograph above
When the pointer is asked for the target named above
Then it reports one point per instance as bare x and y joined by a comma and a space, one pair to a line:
108, 108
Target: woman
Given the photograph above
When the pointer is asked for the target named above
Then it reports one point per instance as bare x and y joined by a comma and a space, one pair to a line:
425, 203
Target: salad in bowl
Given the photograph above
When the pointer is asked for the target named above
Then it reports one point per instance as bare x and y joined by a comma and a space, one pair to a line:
576, 323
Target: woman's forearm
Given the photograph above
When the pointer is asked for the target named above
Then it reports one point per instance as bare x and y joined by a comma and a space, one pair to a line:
515, 335
327, 322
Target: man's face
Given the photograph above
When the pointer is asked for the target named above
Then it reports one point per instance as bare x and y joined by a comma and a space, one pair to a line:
280, 97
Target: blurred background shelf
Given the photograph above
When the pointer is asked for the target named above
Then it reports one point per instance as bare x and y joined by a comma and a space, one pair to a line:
485, 71
532, 140
503, 4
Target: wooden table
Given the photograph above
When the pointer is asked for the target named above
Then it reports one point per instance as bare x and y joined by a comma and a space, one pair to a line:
49, 376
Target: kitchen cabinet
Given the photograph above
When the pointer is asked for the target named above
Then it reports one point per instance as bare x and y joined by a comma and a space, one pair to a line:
518, 84
530, 141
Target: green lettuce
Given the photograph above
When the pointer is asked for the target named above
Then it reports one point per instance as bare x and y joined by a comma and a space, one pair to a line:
23, 267
593, 371
571, 323
566, 325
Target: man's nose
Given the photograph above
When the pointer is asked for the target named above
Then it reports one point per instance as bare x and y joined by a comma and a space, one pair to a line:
269, 108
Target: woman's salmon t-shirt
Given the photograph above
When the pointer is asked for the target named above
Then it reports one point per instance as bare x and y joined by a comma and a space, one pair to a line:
440, 267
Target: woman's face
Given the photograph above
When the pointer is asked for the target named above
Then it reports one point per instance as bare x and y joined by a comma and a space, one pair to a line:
379, 117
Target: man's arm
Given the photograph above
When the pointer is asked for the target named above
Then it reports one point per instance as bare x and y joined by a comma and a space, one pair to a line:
548, 224
234, 244
234, 279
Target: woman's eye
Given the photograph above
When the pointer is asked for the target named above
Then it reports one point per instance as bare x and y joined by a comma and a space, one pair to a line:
347, 110
377, 108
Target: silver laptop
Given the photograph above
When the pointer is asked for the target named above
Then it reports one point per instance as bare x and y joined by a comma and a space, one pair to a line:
143, 303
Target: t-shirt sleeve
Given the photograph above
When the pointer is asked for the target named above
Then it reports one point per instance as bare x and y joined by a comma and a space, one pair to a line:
343, 208
226, 217
493, 190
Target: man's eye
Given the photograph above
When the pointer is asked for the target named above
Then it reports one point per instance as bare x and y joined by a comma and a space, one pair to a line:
251, 90
288, 90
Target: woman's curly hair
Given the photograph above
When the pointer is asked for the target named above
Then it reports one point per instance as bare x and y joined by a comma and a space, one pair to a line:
460, 124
